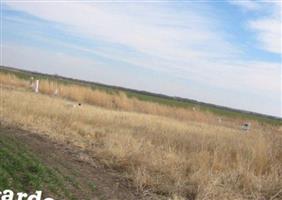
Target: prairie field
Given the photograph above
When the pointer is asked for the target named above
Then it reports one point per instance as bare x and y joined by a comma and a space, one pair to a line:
175, 152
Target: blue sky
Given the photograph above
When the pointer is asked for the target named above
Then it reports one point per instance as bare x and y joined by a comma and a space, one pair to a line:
222, 52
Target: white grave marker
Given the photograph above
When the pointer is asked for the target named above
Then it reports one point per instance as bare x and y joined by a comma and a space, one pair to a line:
36, 89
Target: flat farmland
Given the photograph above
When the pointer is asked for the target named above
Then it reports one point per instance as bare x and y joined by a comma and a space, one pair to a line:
175, 153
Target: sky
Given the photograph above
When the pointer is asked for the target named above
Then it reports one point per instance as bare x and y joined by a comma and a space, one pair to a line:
225, 52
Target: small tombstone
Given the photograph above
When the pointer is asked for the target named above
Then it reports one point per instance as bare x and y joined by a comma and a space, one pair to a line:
36, 88
71, 105
76, 105
194, 109
246, 126
56, 92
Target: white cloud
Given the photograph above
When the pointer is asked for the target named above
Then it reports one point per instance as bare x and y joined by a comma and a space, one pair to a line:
246, 4
160, 32
173, 41
185, 44
268, 33
268, 27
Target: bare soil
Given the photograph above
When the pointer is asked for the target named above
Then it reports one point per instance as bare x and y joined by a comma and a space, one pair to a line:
89, 178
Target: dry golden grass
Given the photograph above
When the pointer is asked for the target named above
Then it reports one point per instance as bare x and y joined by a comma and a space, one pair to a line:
182, 159
114, 101
11, 79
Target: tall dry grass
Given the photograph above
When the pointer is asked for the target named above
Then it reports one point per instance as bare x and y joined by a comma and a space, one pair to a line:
184, 160
11, 79
118, 101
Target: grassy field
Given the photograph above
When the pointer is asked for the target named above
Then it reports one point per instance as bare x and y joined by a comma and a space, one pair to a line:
145, 96
176, 152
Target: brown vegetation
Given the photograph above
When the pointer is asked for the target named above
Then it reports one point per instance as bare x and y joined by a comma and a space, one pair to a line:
191, 159
118, 101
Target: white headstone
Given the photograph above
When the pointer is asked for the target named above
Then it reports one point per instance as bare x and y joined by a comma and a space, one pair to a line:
36, 89
56, 92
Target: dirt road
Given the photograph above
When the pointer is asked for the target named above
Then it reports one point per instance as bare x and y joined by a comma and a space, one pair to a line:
84, 178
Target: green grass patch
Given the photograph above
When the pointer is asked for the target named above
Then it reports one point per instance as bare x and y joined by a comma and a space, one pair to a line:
22, 171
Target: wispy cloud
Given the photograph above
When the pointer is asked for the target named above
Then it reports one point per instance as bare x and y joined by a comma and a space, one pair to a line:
269, 29
246, 4
152, 29
268, 25
183, 40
